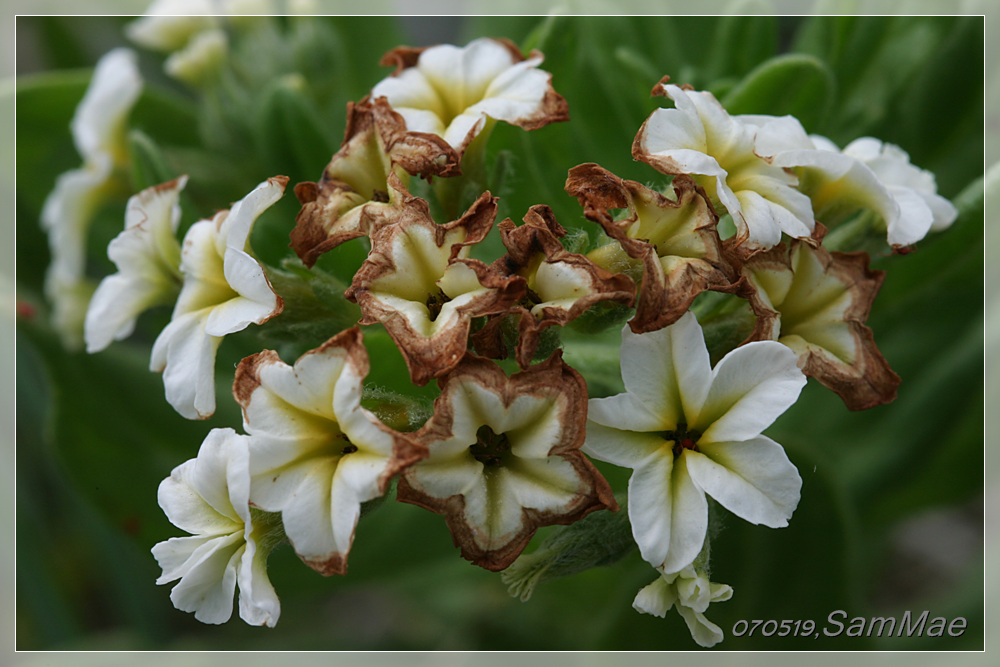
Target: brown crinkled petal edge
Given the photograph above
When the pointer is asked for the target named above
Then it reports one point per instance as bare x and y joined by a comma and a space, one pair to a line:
427, 358
869, 381
540, 234
406, 449
323, 223
552, 378
663, 298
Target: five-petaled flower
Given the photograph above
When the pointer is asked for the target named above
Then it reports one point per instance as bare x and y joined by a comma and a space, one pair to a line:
867, 174
225, 290
209, 497
701, 139
420, 283
690, 591
505, 457
816, 302
148, 258
315, 453
688, 430
456, 92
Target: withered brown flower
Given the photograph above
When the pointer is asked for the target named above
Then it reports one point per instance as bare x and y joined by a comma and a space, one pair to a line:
816, 302
420, 283
358, 181
561, 285
505, 457
673, 240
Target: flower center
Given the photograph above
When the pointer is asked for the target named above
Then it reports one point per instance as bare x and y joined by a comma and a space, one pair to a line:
348, 446
682, 438
435, 302
490, 448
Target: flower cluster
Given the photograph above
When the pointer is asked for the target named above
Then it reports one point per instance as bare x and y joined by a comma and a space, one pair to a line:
735, 232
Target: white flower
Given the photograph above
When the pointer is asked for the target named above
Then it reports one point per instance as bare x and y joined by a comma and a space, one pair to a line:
315, 453
208, 497
505, 457
921, 209
98, 129
701, 139
690, 592
688, 430
450, 91
224, 291
866, 174
148, 257
171, 24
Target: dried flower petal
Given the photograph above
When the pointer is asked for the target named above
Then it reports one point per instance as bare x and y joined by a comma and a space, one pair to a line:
561, 285
359, 179
816, 302
675, 239
420, 284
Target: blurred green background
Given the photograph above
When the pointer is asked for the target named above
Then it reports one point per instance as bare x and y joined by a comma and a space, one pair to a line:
892, 503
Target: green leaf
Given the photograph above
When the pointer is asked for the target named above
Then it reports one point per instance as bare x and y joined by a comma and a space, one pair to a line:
116, 444
800, 85
290, 132
741, 43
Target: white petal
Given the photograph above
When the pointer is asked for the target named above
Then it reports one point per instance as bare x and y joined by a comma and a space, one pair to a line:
703, 631
236, 227
778, 135
915, 217
445, 476
66, 217
544, 484
175, 556
188, 510
668, 369
208, 587
186, 355
116, 304
98, 124
944, 211
751, 387
257, 301
259, 603
655, 599
754, 479
622, 448
668, 512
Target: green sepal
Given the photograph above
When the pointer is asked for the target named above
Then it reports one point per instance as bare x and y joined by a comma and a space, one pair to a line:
147, 164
